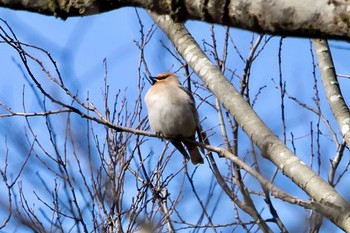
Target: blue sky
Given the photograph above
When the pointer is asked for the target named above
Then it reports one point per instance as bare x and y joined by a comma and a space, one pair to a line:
79, 45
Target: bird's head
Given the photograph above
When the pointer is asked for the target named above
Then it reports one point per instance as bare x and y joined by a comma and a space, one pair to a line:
166, 77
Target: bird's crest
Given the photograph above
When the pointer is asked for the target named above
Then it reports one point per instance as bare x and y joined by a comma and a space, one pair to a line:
167, 76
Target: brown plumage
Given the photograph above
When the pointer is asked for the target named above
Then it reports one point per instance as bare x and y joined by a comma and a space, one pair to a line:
172, 113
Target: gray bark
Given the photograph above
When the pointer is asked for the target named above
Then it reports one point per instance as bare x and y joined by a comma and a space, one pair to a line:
308, 18
332, 88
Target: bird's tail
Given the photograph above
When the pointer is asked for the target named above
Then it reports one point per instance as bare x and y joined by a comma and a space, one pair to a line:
178, 145
196, 157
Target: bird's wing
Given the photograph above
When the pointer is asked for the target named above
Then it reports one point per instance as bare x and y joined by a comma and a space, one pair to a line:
188, 93
195, 113
200, 136
192, 102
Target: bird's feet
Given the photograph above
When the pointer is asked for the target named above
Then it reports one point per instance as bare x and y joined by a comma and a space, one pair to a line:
160, 135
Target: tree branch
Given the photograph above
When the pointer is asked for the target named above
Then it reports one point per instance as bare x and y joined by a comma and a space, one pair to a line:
332, 89
325, 19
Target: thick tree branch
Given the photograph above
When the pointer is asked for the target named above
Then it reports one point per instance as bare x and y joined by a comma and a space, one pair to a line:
326, 200
332, 88
325, 19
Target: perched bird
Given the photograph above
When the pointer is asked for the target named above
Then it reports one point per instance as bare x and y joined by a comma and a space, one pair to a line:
172, 113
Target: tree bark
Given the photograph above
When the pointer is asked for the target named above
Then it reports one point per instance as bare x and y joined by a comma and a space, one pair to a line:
331, 85
308, 18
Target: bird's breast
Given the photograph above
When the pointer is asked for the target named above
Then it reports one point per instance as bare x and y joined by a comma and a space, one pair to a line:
171, 114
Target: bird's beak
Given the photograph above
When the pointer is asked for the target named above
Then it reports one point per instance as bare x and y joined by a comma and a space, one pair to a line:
152, 79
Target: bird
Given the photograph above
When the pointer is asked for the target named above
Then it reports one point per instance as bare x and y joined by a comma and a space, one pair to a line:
172, 113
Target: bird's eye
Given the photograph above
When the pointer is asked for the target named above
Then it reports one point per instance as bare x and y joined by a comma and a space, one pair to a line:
162, 77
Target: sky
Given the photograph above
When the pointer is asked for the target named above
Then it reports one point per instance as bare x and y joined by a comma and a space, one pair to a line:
81, 44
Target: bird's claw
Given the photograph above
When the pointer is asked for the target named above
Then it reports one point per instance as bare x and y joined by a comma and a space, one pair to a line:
160, 135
